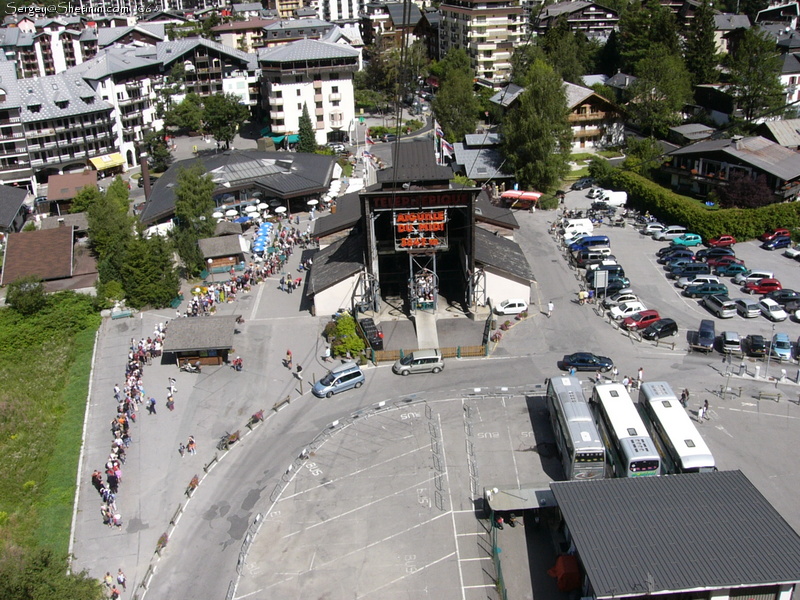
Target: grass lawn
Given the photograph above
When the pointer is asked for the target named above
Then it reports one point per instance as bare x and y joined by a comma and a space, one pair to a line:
44, 377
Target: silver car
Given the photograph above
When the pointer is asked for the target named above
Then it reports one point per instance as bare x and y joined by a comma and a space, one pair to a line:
747, 308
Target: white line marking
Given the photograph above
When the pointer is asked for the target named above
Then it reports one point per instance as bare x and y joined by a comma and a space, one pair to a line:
450, 500
482, 558
404, 576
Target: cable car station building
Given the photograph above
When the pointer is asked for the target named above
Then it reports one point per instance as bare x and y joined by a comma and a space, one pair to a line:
413, 241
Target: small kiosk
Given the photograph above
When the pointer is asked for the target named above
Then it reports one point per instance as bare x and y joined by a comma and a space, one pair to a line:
207, 340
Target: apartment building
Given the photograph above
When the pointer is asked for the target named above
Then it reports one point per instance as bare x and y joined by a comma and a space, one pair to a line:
291, 30
247, 36
314, 74
488, 30
594, 20
391, 22
340, 10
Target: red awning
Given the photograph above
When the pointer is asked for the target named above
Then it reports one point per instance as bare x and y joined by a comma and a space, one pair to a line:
511, 194
531, 196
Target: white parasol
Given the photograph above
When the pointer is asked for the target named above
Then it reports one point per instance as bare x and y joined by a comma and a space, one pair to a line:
231, 212
280, 209
262, 205
312, 202
217, 215
250, 209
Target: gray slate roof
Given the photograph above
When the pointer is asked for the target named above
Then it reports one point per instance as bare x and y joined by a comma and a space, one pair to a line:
342, 259
487, 212
216, 247
621, 81
296, 24
482, 140
109, 35
730, 21
45, 91
399, 18
348, 213
790, 64
502, 254
506, 96
305, 50
170, 51
307, 174
576, 94
561, 8
479, 164
78, 221
200, 333
11, 200
416, 162
684, 532
227, 228
758, 152
248, 7
112, 61
786, 132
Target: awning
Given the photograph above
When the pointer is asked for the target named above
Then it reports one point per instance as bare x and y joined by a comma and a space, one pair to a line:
108, 161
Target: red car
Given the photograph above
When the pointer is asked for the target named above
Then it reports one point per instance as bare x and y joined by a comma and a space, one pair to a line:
724, 260
763, 286
721, 241
771, 235
641, 319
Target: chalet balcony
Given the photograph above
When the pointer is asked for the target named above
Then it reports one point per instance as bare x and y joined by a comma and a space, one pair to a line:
588, 132
593, 116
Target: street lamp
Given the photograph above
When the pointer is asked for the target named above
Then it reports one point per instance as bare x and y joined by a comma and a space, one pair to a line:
210, 271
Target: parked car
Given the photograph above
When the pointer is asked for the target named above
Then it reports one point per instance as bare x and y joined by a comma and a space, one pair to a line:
140, 183
641, 320
706, 289
772, 310
747, 307
781, 347
626, 309
619, 298
389, 137
774, 233
678, 271
706, 253
511, 307
660, 329
685, 282
762, 286
583, 183
777, 243
652, 228
731, 270
586, 361
678, 253
667, 251
753, 275
614, 285
783, 296
670, 232
721, 306
718, 261
419, 361
730, 342
755, 345
595, 193
687, 240
792, 252
721, 241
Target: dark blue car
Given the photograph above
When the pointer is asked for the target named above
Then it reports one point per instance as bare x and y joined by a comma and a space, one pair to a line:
782, 241
586, 361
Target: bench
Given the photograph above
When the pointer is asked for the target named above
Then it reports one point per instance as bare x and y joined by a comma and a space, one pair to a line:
770, 396
121, 314
280, 403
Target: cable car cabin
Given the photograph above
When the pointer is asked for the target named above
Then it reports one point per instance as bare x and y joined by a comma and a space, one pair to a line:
521, 200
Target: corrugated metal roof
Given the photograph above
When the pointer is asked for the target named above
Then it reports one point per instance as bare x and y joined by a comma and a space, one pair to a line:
786, 132
305, 50
674, 533
195, 334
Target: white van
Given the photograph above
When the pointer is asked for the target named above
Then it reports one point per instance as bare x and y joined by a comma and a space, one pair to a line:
572, 225
743, 278
615, 199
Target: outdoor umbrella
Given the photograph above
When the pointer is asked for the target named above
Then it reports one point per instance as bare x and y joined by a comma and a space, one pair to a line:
280, 209
231, 212
312, 202
262, 205
250, 209
217, 215
244, 219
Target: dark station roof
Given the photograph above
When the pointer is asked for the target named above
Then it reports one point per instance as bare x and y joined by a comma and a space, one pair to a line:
415, 164
501, 253
348, 213
337, 262
193, 334
643, 535
487, 212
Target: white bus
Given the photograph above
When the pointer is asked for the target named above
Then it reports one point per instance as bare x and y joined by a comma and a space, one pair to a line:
579, 445
632, 452
681, 445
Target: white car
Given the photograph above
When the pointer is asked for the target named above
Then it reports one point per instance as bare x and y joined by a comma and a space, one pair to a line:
511, 307
596, 193
653, 228
619, 298
792, 252
772, 310
696, 280
626, 309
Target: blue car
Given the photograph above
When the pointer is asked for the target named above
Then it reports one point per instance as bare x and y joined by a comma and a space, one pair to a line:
777, 243
731, 270
781, 347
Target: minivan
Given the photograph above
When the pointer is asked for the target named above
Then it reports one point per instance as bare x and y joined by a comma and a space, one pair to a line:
614, 270
705, 335
571, 225
670, 233
345, 376
419, 361
687, 270
730, 343
590, 242
587, 257
743, 278
720, 305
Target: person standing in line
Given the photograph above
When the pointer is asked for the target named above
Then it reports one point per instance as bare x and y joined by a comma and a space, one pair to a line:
109, 581
614, 374
550, 308
626, 381
121, 579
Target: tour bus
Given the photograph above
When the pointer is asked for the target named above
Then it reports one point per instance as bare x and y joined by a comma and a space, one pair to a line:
632, 452
579, 445
682, 448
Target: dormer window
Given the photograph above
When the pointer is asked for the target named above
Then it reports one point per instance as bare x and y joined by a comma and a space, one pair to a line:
62, 103
2, 95
34, 108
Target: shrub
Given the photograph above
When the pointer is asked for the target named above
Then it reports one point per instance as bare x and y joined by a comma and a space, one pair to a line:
548, 203
345, 339
26, 295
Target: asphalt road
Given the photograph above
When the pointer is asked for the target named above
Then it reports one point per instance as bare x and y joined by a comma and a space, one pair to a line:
202, 555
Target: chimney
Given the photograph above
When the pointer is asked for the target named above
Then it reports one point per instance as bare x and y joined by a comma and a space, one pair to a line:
61, 222
145, 175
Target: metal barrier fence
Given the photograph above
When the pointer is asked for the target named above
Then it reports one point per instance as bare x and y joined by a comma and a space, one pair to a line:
377, 356
498, 567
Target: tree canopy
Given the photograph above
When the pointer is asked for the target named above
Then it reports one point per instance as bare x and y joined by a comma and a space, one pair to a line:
308, 141
700, 46
568, 52
187, 114
537, 137
156, 147
84, 199
659, 94
194, 205
223, 115
755, 75
455, 104
26, 295
39, 575
645, 27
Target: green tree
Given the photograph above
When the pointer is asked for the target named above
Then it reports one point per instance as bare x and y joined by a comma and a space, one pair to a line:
156, 147
26, 295
308, 141
700, 51
223, 115
755, 75
644, 155
743, 191
455, 104
119, 194
148, 274
645, 27
110, 227
566, 50
187, 115
659, 94
37, 575
537, 137
84, 199
194, 205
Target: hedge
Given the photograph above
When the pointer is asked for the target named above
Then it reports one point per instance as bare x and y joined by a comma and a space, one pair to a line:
674, 209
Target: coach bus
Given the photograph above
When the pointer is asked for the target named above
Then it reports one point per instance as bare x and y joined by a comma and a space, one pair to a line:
632, 452
579, 445
681, 445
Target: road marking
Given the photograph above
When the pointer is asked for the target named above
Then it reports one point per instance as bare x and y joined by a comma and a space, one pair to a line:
450, 500
479, 558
